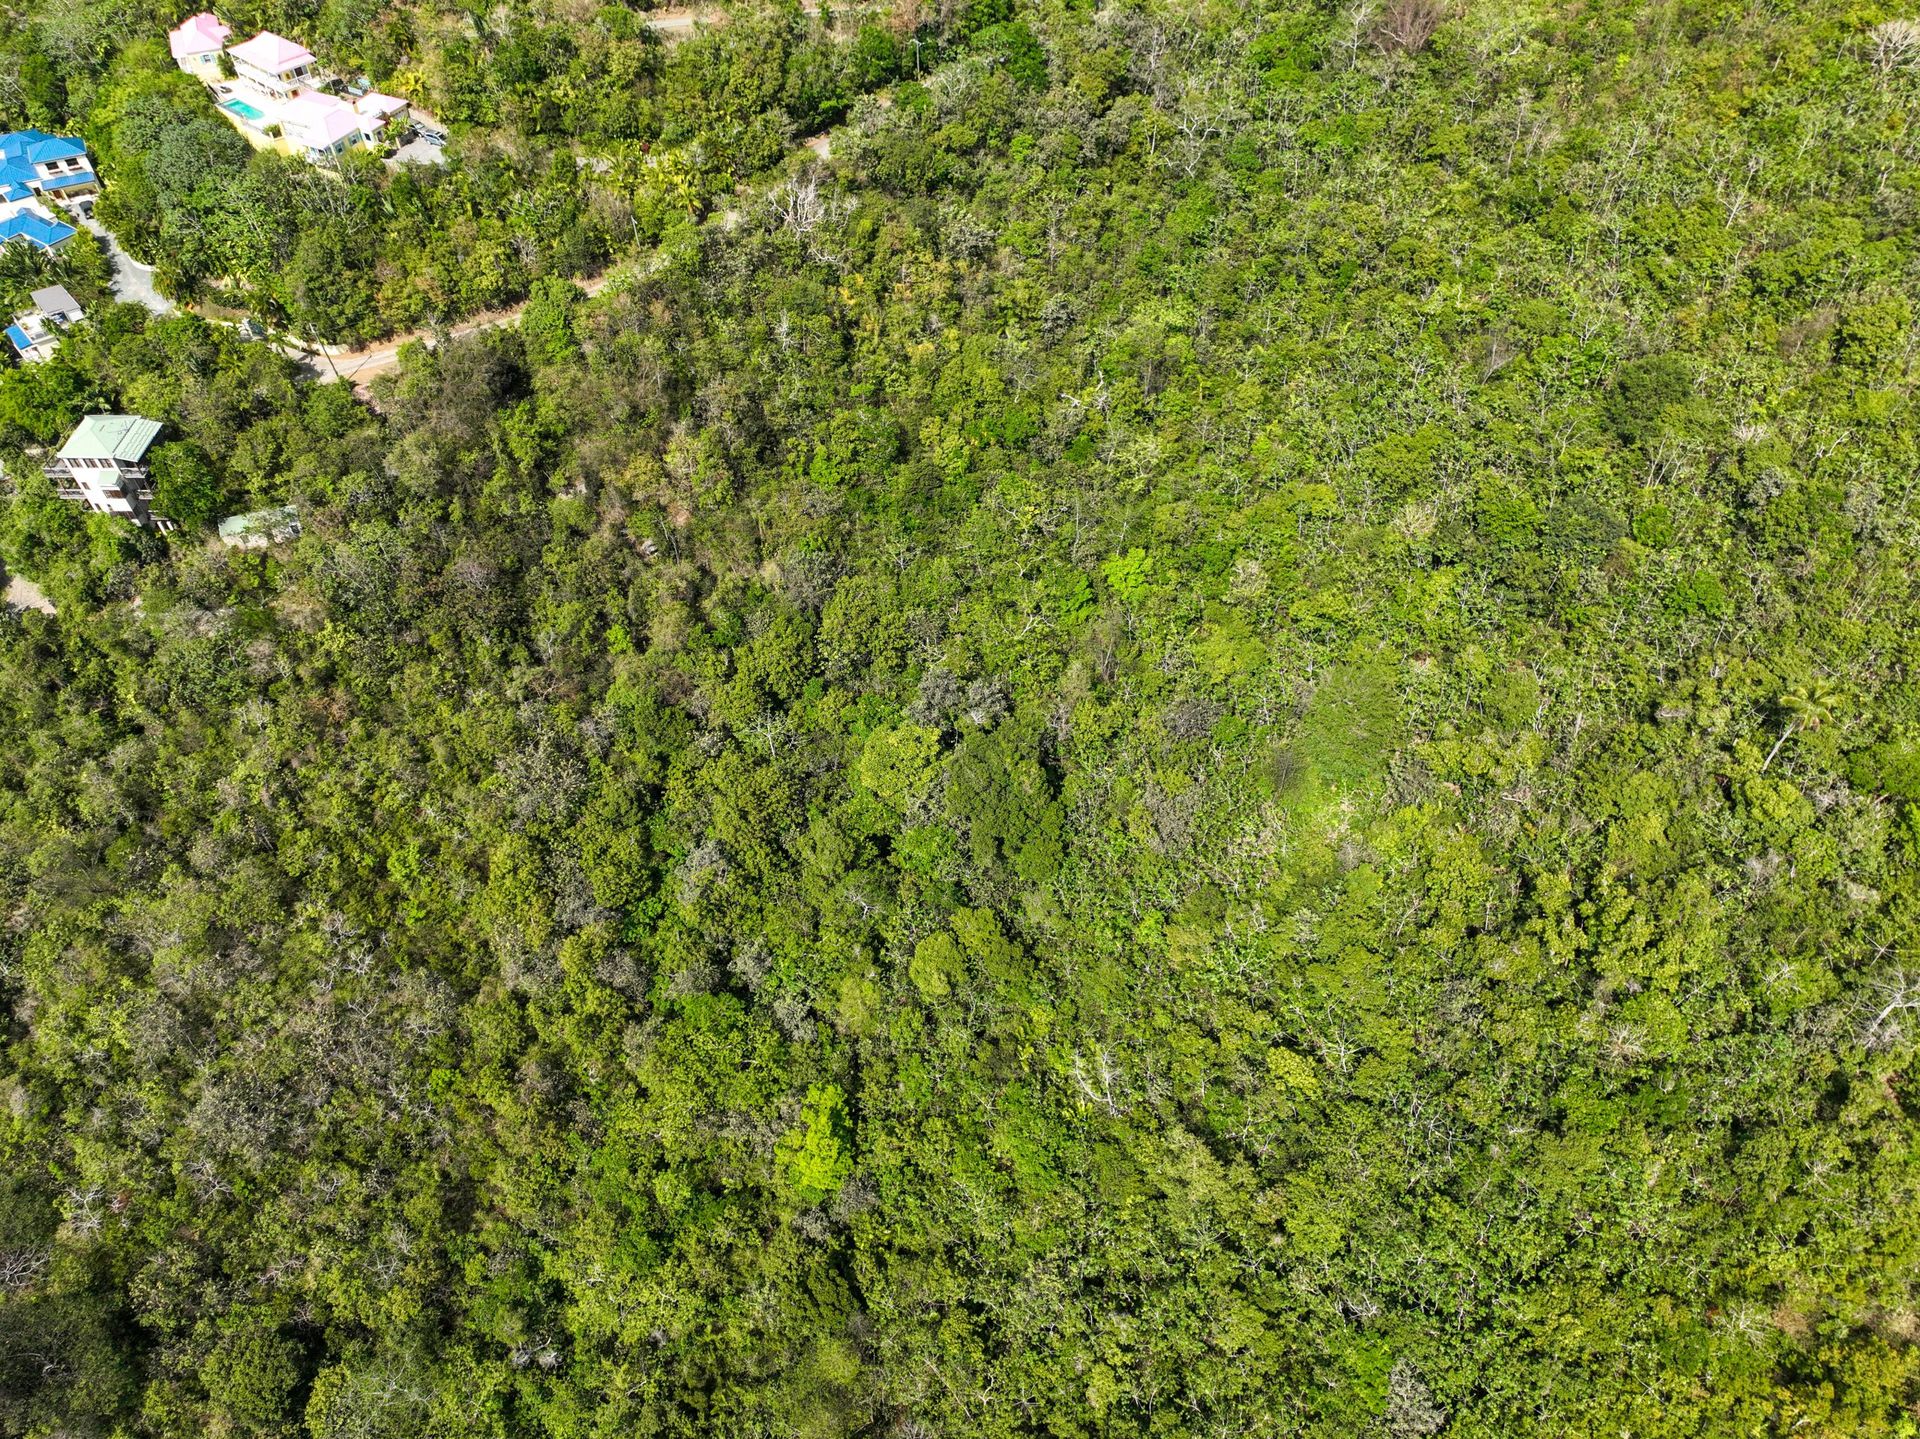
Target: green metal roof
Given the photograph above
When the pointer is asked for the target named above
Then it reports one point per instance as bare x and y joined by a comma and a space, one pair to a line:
126, 438
279, 523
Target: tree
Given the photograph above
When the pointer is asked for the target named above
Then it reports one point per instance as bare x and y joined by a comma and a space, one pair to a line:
186, 488
1807, 707
817, 1157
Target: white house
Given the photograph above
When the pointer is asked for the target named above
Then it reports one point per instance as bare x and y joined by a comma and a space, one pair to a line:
274, 65
56, 302
35, 334
104, 465
197, 42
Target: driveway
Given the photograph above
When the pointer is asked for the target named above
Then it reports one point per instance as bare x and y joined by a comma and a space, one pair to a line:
132, 281
417, 152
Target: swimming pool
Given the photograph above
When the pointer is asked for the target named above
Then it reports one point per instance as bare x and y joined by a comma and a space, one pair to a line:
245, 111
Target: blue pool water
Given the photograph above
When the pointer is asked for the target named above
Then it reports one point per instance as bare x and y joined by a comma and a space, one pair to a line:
242, 109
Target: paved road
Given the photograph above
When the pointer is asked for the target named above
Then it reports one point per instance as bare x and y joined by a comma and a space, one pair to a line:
132, 281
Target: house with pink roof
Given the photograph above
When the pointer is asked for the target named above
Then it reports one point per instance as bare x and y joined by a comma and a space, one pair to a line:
276, 94
196, 43
320, 127
381, 113
274, 65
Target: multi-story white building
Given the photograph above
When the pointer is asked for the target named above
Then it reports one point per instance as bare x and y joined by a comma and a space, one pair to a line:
274, 65
104, 466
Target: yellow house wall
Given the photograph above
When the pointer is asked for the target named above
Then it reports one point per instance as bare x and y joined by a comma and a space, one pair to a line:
253, 137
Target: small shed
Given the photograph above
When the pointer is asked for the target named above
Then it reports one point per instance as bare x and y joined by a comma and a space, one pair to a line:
257, 529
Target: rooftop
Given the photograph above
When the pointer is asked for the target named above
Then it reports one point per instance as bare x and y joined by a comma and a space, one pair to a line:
279, 523
319, 120
272, 53
201, 34
37, 147
125, 438
21, 150
55, 300
381, 106
21, 222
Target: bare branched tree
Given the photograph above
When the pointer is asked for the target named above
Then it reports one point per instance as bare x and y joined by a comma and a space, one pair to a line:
1888, 1008
1896, 45
1403, 27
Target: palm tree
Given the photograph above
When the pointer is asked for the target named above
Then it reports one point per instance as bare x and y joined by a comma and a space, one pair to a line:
1807, 708
25, 267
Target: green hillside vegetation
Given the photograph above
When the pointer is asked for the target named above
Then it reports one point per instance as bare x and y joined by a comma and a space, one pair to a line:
1219, 737
578, 136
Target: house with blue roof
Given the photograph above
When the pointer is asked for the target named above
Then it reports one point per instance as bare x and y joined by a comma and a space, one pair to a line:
35, 334
32, 162
30, 221
34, 167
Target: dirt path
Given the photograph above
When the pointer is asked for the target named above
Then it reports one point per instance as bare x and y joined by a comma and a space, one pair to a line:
677, 22
24, 594
363, 364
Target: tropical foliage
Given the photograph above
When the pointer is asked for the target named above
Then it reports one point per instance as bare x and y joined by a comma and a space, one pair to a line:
1217, 737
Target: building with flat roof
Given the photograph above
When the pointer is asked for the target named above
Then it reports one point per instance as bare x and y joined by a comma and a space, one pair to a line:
35, 334
257, 529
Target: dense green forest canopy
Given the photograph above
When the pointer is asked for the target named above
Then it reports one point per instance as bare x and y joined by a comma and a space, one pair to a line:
1217, 737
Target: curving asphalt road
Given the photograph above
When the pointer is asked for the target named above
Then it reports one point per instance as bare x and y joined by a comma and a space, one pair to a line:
132, 281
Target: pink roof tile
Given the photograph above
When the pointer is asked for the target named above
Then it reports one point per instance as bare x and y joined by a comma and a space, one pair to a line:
273, 53
200, 34
319, 120
381, 106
